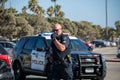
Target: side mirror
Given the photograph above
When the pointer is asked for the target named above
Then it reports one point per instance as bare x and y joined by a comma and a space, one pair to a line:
90, 49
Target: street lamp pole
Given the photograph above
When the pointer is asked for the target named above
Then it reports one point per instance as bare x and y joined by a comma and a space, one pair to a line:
106, 20
10, 7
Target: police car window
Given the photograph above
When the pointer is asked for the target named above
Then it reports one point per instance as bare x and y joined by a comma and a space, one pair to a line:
78, 45
49, 42
21, 43
30, 44
40, 43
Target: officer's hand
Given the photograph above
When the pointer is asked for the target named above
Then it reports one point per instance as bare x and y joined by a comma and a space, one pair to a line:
53, 36
48, 56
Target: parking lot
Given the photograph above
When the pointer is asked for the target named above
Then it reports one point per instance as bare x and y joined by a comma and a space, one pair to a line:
113, 63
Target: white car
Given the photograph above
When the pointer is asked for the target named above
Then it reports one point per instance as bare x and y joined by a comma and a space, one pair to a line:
113, 43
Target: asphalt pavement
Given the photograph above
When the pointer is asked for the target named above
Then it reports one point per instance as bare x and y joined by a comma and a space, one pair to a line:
109, 52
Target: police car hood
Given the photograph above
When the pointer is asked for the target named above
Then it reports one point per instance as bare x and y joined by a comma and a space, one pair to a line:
83, 52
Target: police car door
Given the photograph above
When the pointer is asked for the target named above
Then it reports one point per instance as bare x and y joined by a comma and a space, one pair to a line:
38, 55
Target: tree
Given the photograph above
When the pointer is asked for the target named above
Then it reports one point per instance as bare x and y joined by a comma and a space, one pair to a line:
54, 6
98, 31
61, 14
57, 9
11, 10
7, 21
33, 5
1, 9
50, 11
40, 11
24, 10
3, 3
117, 24
24, 27
112, 33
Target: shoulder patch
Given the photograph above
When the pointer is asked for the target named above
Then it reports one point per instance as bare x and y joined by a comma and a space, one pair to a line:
64, 39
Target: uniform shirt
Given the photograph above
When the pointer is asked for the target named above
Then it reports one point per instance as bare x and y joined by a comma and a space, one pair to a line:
56, 53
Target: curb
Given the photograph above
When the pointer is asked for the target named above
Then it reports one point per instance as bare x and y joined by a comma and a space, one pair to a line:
113, 60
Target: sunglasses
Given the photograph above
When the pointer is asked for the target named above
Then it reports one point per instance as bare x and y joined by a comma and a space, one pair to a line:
55, 30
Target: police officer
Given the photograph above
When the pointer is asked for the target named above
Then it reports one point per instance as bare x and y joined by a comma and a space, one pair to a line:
62, 67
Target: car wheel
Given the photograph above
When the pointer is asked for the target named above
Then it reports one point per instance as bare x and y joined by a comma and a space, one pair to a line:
18, 72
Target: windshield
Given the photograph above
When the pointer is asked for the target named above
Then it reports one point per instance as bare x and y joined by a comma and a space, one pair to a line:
77, 45
13, 43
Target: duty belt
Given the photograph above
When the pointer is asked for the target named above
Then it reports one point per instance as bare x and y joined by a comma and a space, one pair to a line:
57, 62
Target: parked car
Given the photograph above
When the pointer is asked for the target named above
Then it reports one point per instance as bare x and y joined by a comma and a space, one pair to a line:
112, 43
8, 45
99, 43
90, 45
30, 58
6, 72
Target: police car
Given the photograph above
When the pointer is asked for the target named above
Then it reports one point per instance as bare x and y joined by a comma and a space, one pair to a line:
86, 64
30, 58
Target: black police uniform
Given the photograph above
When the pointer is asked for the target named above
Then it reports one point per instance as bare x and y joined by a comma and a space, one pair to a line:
62, 67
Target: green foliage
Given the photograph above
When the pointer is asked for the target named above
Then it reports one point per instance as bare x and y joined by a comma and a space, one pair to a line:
12, 10
33, 6
117, 24
25, 29
50, 11
3, 3
7, 28
23, 24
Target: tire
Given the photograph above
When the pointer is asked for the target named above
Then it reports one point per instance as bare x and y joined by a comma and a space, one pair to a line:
18, 72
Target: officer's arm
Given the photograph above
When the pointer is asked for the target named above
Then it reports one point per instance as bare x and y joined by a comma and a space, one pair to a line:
59, 45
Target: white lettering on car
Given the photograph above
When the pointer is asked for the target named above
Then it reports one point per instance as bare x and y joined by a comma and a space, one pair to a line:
37, 60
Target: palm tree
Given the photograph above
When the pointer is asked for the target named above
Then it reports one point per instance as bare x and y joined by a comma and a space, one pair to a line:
112, 33
33, 5
61, 14
54, 6
40, 10
117, 24
3, 3
24, 10
57, 9
50, 11
12, 10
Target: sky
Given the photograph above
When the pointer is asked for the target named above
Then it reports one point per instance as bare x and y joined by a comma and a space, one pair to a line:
93, 11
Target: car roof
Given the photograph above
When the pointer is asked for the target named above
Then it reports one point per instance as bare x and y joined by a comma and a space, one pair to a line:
5, 41
8, 42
